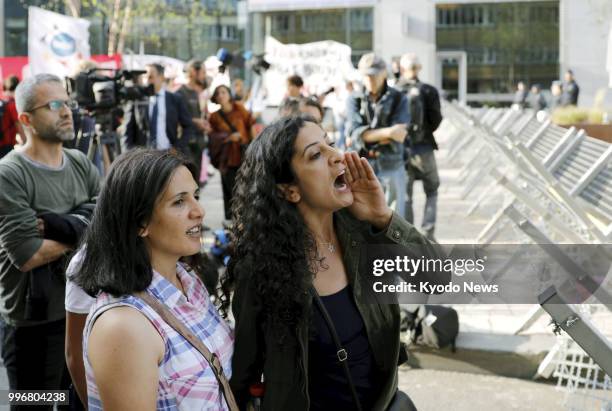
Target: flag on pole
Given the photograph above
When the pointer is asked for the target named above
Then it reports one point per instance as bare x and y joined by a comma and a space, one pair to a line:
56, 43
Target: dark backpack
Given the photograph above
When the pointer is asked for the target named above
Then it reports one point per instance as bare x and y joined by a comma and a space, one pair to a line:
416, 106
434, 326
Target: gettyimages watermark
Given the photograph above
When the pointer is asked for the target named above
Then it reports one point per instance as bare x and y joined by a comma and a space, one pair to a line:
493, 274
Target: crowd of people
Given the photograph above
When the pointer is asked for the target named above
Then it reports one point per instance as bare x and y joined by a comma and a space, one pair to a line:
562, 94
100, 270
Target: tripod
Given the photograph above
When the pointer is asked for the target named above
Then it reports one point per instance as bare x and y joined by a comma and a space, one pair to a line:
103, 141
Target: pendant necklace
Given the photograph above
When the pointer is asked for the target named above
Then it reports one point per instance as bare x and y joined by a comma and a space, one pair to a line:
329, 245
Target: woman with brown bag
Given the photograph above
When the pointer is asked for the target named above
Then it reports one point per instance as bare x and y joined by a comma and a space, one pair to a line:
231, 132
153, 338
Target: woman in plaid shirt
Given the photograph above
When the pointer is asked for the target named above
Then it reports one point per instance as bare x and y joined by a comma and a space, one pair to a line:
147, 218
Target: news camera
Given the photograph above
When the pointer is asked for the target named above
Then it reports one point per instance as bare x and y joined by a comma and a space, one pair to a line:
101, 99
96, 92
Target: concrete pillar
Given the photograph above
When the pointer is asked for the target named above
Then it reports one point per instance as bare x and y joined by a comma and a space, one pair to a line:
259, 32
407, 26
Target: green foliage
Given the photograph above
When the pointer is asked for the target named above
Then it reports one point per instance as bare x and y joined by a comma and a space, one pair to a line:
577, 115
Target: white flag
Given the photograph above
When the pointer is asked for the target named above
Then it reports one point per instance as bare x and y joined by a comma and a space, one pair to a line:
56, 43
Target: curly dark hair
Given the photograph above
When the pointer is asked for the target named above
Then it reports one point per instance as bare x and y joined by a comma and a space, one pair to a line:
271, 245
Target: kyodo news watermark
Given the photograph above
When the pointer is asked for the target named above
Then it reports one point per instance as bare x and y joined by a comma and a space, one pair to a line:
493, 274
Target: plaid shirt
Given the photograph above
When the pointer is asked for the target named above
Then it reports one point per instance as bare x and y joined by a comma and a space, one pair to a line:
186, 381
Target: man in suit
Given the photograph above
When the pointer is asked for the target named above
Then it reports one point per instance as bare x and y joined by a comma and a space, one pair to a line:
155, 123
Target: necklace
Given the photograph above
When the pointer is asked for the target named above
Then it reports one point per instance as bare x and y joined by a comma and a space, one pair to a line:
330, 246
327, 244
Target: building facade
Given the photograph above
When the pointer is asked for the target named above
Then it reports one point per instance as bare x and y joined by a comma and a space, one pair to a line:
475, 50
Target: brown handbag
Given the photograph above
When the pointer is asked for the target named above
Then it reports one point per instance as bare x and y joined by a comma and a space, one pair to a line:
233, 155
211, 358
218, 145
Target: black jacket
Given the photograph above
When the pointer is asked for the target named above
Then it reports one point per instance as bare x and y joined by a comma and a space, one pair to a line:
285, 367
570, 94
362, 115
432, 112
136, 122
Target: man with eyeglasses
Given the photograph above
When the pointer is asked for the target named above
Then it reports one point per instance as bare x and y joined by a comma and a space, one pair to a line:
42, 187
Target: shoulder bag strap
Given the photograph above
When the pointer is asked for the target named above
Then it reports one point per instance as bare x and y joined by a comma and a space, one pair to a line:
340, 351
226, 120
212, 359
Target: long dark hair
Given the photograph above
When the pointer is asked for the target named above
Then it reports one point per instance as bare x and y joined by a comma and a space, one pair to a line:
271, 245
116, 259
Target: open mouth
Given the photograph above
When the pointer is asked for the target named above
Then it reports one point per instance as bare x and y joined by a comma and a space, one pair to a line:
339, 182
194, 231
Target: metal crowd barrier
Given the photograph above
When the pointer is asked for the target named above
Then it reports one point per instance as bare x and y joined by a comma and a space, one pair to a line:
556, 187
560, 176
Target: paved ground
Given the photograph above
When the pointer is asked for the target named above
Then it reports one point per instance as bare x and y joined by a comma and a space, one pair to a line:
442, 390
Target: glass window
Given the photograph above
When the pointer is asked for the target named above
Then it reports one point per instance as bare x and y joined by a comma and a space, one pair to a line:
15, 37
282, 23
361, 20
504, 41
230, 33
468, 16
353, 27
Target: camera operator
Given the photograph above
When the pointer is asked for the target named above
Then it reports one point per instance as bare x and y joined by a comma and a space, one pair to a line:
134, 129
377, 127
101, 93
157, 125
84, 121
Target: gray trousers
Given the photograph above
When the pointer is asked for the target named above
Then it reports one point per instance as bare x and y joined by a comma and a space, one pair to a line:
423, 167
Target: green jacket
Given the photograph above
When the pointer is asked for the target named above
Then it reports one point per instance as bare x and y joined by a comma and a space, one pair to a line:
284, 367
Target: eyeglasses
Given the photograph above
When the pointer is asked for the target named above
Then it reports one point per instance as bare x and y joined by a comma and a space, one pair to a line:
56, 105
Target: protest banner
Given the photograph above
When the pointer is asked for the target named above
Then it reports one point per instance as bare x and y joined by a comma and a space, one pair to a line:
321, 64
